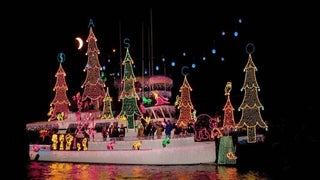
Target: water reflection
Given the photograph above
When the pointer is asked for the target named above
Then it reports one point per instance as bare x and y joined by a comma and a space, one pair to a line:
57, 171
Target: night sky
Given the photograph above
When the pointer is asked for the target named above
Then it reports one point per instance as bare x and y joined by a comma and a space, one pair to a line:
281, 43
284, 54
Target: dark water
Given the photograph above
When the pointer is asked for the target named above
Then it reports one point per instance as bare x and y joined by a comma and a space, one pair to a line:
57, 171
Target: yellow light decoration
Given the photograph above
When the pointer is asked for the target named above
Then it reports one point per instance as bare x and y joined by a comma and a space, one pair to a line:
107, 104
61, 140
137, 145
54, 140
85, 144
230, 155
69, 140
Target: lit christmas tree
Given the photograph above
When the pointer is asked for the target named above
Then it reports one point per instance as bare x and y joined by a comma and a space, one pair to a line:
93, 84
60, 104
226, 153
185, 105
228, 118
129, 95
107, 110
251, 105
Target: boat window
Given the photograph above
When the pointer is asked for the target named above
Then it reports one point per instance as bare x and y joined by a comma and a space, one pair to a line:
158, 113
98, 126
172, 112
72, 128
166, 112
150, 114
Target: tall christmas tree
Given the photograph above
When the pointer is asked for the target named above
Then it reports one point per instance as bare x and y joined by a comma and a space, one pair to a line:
107, 106
185, 105
226, 152
60, 104
93, 84
251, 105
129, 95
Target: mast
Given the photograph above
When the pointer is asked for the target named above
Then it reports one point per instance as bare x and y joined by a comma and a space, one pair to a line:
142, 59
151, 41
120, 57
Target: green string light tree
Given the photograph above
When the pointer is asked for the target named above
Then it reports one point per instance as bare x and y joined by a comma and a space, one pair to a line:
59, 107
129, 95
107, 106
251, 105
93, 85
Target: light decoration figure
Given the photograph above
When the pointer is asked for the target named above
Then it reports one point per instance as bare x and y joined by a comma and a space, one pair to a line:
129, 95
60, 103
93, 84
160, 100
226, 152
185, 105
107, 106
251, 105
228, 118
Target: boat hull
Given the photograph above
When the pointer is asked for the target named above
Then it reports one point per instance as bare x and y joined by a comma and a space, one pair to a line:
180, 151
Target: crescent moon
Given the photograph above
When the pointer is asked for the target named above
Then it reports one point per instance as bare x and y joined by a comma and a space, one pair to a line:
80, 42
182, 72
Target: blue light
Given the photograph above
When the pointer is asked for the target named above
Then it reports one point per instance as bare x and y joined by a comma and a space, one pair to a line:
157, 68
193, 65
173, 63
235, 34
213, 51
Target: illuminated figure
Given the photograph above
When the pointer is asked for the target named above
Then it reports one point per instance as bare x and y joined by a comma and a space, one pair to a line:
69, 140
61, 139
54, 140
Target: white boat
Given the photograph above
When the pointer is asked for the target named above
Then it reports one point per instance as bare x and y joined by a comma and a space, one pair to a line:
67, 140
182, 149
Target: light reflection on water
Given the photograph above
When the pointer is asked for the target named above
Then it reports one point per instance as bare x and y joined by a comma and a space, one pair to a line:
57, 171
